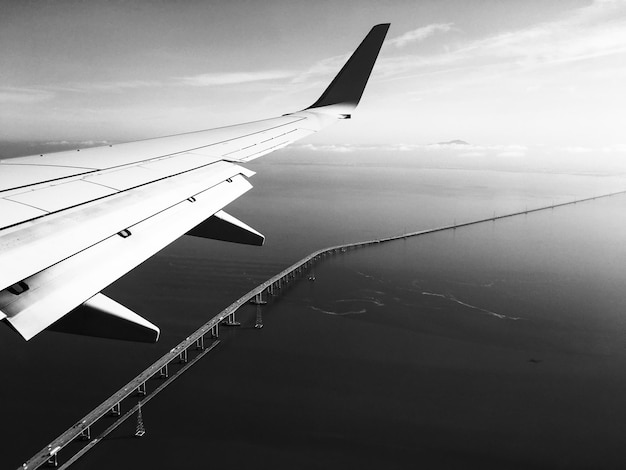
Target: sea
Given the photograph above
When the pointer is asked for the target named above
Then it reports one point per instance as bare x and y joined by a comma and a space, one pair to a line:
498, 345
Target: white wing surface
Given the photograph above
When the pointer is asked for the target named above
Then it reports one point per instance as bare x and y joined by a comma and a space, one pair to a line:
71, 223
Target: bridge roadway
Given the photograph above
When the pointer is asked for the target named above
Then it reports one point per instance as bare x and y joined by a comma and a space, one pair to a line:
82, 429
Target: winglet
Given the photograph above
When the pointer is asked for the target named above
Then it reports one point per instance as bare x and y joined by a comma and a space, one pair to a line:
347, 87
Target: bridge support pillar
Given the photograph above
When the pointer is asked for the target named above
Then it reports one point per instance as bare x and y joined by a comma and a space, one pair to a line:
258, 299
200, 343
164, 372
117, 409
141, 390
215, 331
182, 357
85, 435
231, 321
53, 461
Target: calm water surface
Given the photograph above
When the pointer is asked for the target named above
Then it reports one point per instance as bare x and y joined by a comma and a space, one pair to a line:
499, 345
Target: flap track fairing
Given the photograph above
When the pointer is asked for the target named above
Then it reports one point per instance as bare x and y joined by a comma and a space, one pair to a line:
103, 317
225, 227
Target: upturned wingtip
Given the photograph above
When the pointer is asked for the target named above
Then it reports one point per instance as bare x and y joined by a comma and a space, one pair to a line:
348, 86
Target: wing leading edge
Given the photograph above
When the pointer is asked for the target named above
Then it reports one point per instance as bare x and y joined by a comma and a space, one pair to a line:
71, 223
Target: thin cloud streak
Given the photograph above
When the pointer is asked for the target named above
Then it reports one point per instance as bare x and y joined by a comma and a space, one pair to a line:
78, 143
233, 78
419, 34
14, 95
465, 150
48, 92
345, 148
322, 68
104, 87
332, 65
586, 34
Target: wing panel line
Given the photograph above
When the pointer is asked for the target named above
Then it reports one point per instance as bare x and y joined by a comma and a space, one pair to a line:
103, 197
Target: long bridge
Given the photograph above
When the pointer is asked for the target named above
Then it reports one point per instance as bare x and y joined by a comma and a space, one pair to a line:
180, 358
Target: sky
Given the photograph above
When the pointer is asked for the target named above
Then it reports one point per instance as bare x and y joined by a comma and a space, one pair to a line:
501, 74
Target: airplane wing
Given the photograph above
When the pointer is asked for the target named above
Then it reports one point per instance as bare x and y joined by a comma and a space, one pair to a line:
71, 223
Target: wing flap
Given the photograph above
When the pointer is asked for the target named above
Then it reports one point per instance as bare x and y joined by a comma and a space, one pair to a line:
31, 247
62, 287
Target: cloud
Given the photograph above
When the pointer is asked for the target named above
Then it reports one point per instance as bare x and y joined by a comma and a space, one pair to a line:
44, 93
121, 85
503, 151
513, 150
614, 149
511, 154
584, 34
232, 78
12, 95
106, 87
322, 68
419, 34
77, 143
337, 148
472, 154
329, 66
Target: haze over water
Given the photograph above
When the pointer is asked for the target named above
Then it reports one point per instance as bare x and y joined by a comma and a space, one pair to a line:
499, 345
